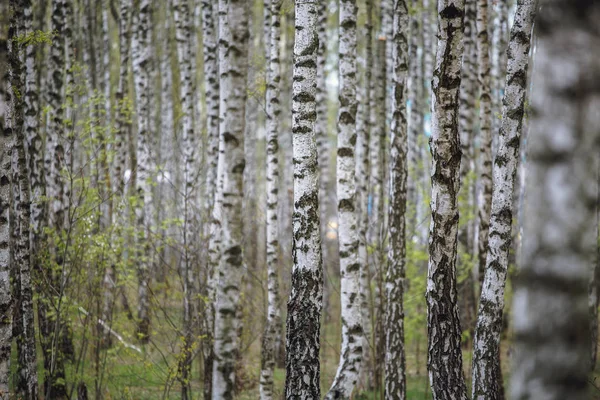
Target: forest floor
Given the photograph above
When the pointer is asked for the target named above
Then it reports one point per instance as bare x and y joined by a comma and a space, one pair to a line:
124, 373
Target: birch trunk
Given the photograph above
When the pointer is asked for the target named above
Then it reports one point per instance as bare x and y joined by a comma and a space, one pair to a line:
211, 84
395, 357
233, 41
499, 62
273, 325
305, 302
443, 323
551, 316
362, 181
415, 114
141, 52
326, 202
54, 383
19, 220
351, 351
486, 344
123, 103
484, 196
377, 150
7, 54
184, 35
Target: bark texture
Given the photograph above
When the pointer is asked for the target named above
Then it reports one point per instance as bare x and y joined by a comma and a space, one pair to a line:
305, 302
273, 325
233, 54
184, 33
211, 230
395, 357
551, 317
362, 181
352, 325
484, 195
486, 344
142, 65
443, 323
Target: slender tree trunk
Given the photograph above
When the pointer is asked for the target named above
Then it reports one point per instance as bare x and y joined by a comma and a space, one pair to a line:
305, 302
211, 78
7, 126
183, 35
395, 357
375, 234
233, 40
484, 196
499, 60
352, 325
443, 323
273, 325
27, 384
362, 181
326, 190
142, 64
466, 289
551, 316
486, 344
123, 102
54, 384
415, 114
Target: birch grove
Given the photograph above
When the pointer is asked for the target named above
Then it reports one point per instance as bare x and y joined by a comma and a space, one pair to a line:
296, 198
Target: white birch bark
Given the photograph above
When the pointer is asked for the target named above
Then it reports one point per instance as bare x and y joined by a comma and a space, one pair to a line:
486, 343
484, 195
415, 112
362, 182
550, 305
377, 194
326, 191
351, 351
123, 103
7, 36
211, 228
54, 162
395, 357
305, 302
443, 323
273, 325
27, 381
141, 58
233, 43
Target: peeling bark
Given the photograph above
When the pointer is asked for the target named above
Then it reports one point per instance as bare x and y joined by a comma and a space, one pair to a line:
443, 323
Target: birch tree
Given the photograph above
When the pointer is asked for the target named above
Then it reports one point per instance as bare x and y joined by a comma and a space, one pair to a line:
362, 182
233, 43
486, 344
122, 125
351, 352
141, 51
49, 313
183, 35
7, 37
551, 317
305, 302
443, 323
273, 325
211, 231
484, 196
395, 357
